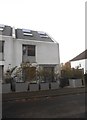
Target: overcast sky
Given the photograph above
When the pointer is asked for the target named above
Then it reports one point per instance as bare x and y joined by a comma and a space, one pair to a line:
63, 20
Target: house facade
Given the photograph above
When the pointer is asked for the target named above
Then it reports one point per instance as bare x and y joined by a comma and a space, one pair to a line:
80, 61
23, 45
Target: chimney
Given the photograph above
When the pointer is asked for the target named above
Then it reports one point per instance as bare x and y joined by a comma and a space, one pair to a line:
13, 32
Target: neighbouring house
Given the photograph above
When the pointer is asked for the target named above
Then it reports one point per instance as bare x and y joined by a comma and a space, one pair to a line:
24, 45
80, 60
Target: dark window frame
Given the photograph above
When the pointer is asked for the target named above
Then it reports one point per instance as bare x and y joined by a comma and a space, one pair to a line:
30, 50
2, 46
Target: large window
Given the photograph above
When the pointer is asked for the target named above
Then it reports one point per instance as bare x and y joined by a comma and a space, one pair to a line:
49, 74
29, 50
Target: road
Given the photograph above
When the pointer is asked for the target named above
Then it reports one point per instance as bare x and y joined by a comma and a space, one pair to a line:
66, 106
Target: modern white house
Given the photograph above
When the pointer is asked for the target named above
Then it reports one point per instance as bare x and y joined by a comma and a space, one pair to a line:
24, 45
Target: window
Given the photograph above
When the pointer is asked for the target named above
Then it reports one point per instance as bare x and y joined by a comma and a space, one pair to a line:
2, 27
42, 34
2, 46
29, 73
49, 74
27, 32
24, 50
29, 50
2, 72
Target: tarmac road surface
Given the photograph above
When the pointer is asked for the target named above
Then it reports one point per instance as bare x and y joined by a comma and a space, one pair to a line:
66, 106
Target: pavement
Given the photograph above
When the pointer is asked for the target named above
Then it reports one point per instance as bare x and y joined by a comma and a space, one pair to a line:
39, 94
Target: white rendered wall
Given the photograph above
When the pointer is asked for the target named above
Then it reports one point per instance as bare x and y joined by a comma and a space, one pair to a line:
8, 52
77, 63
17, 52
46, 52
